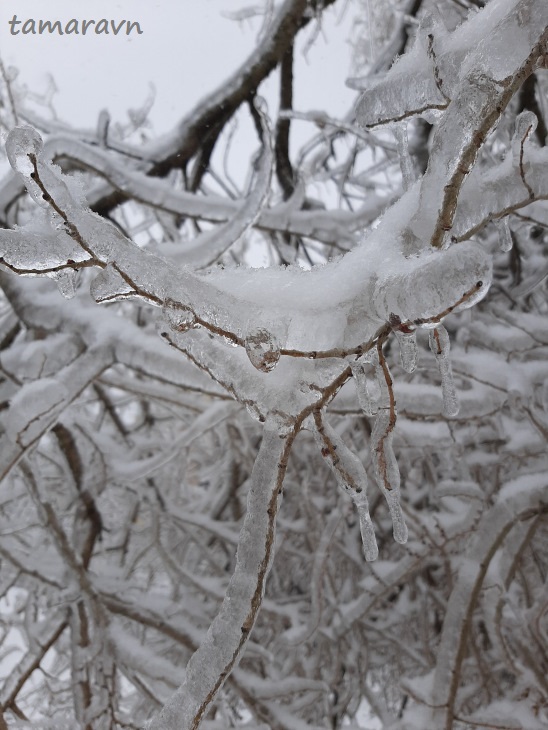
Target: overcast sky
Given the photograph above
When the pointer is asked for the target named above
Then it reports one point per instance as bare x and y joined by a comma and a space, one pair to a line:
187, 48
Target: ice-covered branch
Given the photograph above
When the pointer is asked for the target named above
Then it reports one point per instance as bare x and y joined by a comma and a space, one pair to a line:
484, 89
510, 508
221, 301
220, 651
479, 85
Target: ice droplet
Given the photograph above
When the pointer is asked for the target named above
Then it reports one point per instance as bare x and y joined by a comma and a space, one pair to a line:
20, 143
505, 234
262, 350
180, 318
362, 389
66, 281
110, 286
407, 342
526, 123
439, 344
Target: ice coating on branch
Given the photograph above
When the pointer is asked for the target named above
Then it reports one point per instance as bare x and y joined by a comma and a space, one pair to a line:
40, 358
179, 318
385, 465
209, 246
66, 282
440, 345
110, 286
31, 407
262, 349
407, 342
351, 478
362, 389
505, 234
33, 251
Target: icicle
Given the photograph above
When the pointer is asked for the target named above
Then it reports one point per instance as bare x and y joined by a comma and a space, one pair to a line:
262, 350
387, 473
367, 531
360, 380
110, 286
179, 318
66, 281
505, 234
399, 528
408, 349
384, 397
351, 478
402, 145
439, 344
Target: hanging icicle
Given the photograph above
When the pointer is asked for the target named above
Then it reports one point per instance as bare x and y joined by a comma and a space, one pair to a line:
351, 478
440, 345
362, 389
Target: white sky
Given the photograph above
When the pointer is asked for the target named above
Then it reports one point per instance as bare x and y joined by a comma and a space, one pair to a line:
186, 50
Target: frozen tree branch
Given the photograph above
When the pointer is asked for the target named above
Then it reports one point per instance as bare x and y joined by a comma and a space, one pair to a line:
139, 505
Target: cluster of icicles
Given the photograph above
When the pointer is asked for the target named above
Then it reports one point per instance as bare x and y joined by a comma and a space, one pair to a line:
263, 351
348, 469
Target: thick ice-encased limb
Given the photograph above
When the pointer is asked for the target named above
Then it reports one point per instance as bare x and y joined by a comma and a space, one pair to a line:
432, 281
